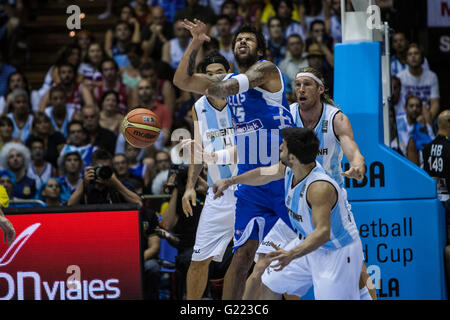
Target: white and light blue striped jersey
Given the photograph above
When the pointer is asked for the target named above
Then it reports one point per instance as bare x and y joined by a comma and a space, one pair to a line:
343, 228
217, 133
63, 128
25, 132
40, 178
330, 151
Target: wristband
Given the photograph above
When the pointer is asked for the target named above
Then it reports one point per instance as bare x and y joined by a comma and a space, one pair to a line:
243, 82
223, 156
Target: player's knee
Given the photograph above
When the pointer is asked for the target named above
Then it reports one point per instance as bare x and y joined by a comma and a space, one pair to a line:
199, 265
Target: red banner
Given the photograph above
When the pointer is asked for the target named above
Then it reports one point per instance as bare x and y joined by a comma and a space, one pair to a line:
72, 256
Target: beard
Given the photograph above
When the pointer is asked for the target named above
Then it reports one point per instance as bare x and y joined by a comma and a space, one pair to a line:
246, 61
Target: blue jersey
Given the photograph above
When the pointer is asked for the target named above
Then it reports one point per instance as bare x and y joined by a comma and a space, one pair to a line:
258, 117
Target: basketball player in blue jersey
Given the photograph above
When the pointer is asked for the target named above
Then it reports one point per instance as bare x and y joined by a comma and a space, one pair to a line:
214, 130
314, 109
327, 251
260, 109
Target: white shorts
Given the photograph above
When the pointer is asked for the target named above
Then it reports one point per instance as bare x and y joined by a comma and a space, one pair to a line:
216, 226
280, 234
333, 273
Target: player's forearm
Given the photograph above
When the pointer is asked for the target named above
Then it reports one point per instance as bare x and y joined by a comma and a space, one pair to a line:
193, 173
224, 89
257, 177
186, 67
315, 240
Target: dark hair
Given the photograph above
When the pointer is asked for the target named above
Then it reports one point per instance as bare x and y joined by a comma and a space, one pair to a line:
34, 139
302, 143
65, 53
261, 41
24, 78
410, 96
71, 123
108, 92
317, 21
147, 66
56, 89
101, 154
224, 16
4, 120
108, 59
123, 22
232, 2
67, 64
213, 57
134, 47
271, 19
102, 49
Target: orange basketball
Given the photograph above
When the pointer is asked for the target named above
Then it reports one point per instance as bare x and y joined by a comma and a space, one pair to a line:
141, 127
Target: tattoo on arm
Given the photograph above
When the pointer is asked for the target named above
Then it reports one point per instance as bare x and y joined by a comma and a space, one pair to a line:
224, 89
191, 65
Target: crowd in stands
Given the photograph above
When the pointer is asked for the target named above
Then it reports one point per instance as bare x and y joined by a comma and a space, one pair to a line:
48, 134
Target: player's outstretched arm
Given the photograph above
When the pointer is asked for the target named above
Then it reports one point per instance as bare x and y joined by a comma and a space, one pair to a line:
256, 177
262, 74
344, 131
185, 76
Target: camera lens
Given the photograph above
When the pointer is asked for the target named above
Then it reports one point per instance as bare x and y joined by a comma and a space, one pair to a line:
104, 172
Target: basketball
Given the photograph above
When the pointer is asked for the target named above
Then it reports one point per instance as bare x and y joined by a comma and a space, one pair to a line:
141, 127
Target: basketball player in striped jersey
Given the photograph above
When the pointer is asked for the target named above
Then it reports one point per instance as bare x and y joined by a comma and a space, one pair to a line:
214, 130
314, 109
260, 109
327, 251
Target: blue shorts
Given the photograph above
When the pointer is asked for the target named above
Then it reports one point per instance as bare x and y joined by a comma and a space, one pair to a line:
254, 220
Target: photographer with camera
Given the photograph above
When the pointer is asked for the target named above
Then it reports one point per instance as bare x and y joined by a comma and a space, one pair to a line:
101, 185
177, 228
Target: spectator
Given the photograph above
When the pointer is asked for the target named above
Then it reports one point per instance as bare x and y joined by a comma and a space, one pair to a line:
276, 42
90, 67
130, 74
6, 130
71, 167
75, 92
420, 82
16, 158
53, 140
127, 14
110, 117
322, 39
112, 81
170, 7
284, 10
123, 36
8, 181
143, 12
151, 246
122, 168
5, 71
395, 142
312, 10
316, 59
158, 174
51, 193
83, 39
59, 113
97, 190
222, 31
68, 54
251, 12
77, 141
97, 136
195, 11
295, 60
21, 115
136, 167
39, 170
398, 58
155, 34
397, 100
230, 8
408, 126
17, 80
173, 50
146, 99
333, 25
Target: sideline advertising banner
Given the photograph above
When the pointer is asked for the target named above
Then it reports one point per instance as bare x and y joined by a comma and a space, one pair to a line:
72, 255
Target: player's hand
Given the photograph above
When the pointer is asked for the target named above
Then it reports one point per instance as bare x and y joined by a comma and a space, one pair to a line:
220, 186
189, 198
282, 256
196, 152
9, 234
355, 172
197, 29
